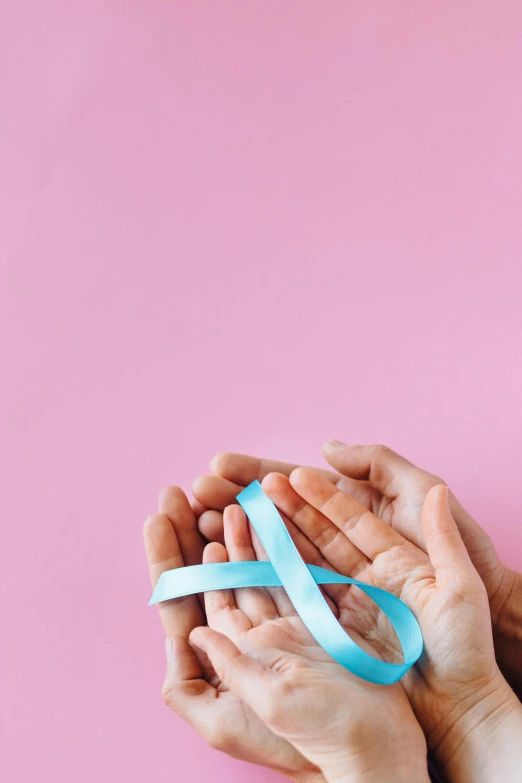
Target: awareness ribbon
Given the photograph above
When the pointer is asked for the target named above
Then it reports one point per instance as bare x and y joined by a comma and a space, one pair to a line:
286, 568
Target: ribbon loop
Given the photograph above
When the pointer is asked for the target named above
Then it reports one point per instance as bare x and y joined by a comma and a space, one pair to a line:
286, 568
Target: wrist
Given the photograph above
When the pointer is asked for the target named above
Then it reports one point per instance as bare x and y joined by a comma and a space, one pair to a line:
398, 773
483, 743
506, 615
391, 753
386, 769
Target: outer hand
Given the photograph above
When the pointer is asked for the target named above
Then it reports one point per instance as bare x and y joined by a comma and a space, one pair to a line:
225, 722
456, 684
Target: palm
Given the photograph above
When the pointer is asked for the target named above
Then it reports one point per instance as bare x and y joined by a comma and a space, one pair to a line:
287, 634
403, 512
396, 489
407, 573
358, 613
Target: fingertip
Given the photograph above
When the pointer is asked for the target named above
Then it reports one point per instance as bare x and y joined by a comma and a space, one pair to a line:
174, 504
438, 490
236, 530
197, 635
300, 477
199, 642
210, 525
234, 515
444, 543
198, 487
203, 639
154, 525
215, 553
197, 507
295, 475
161, 543
441, 493
147, 527
436, 508
170, 494
212, 643
273, 482
333, 445
149, 522
218, 462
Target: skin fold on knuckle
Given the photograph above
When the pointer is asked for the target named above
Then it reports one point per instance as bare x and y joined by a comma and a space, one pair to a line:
380, 473
171, 696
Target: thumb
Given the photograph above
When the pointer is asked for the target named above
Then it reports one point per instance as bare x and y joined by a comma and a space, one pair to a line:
245, 677
444, 544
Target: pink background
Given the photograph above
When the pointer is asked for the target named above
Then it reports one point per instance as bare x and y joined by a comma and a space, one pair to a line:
233, 225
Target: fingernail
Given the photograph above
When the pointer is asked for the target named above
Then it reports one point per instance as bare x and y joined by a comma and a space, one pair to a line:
168, 650
333, 443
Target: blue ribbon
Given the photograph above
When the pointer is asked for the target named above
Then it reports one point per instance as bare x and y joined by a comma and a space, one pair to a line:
286, 568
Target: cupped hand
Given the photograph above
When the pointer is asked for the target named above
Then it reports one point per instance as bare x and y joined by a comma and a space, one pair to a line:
219, 715
259, 647
456, 683
394, 490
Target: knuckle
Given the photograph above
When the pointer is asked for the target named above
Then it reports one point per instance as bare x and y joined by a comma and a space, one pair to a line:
175, 698
164, 493
169, 695
220, 461
382, 459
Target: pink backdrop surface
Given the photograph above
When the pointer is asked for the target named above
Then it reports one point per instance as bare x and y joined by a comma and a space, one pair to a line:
233, 225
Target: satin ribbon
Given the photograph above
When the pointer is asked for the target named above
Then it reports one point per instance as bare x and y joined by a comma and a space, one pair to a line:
287, 569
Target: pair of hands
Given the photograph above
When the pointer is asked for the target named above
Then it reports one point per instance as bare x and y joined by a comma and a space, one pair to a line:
214, 687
